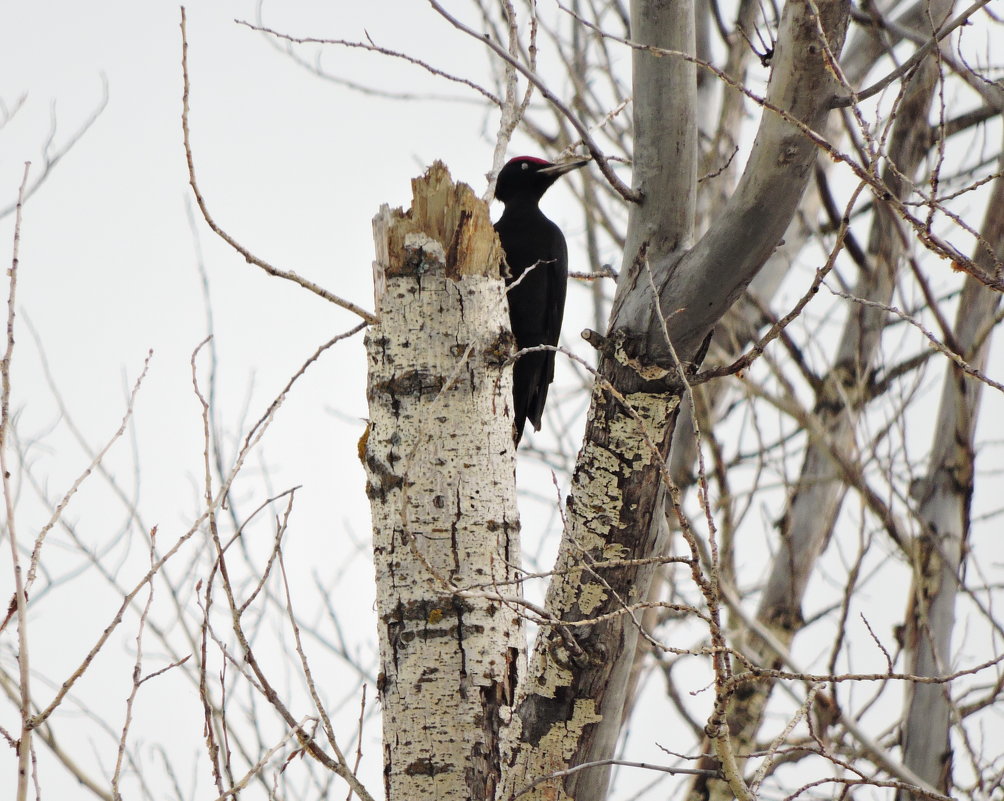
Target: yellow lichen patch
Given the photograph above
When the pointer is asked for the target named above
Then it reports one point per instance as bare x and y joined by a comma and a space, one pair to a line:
591, 595
615, 551
549, 680
557, 747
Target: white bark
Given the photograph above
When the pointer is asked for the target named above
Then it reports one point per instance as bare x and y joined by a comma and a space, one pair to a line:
439, 458
665, 129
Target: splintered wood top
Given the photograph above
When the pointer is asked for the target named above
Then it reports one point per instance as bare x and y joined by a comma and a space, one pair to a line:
442, 212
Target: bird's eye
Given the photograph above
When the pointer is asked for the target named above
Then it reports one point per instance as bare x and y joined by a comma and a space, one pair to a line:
525, 166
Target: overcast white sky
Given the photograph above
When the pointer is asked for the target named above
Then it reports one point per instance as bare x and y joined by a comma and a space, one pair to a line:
292, 166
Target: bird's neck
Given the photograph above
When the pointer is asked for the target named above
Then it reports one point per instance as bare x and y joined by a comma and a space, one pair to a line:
522, 208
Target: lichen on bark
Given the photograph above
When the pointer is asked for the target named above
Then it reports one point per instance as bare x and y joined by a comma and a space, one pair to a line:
439, 458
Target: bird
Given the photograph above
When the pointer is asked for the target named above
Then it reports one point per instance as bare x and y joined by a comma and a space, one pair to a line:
537, 260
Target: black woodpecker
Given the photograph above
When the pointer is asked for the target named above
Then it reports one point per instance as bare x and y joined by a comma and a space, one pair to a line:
537, 259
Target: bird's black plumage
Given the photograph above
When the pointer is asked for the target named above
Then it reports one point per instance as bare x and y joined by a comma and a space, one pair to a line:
537, 261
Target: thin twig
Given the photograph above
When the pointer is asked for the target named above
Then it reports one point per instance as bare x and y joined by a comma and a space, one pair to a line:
50, 160
937, 344
373, 48
600, 763
913, 61
622, 189
20, 598
96, 461
289, 275
359, 738
137, 679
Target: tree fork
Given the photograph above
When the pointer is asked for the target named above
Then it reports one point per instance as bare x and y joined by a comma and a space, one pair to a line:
570, 711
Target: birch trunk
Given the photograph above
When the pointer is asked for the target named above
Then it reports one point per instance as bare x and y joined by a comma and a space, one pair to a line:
439, 459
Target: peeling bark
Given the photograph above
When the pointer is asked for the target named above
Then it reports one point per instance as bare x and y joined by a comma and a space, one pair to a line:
570, 711
439, 458
576, 679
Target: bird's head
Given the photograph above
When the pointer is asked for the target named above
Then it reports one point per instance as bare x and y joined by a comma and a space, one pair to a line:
527, 177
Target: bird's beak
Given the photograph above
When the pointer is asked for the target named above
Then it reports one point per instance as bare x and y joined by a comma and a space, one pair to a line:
565, 166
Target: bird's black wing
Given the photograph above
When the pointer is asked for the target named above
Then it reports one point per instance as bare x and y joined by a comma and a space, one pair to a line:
538, 262
539, 370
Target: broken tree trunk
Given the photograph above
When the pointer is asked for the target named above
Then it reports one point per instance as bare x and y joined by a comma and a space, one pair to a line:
439, 458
